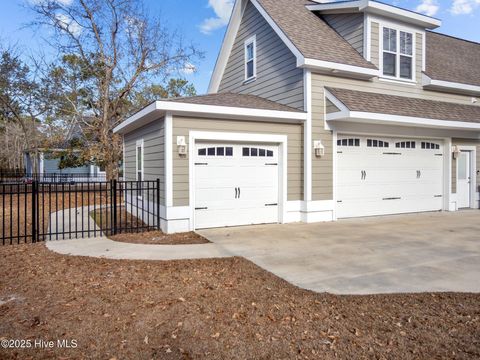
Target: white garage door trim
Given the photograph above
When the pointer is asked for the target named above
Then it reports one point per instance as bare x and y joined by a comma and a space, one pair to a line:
446, 165
280, 140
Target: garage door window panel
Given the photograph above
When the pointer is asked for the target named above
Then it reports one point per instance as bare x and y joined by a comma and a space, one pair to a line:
348, 142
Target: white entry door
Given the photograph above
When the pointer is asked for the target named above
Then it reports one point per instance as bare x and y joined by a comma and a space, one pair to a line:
379, 175
463, 179
235, 184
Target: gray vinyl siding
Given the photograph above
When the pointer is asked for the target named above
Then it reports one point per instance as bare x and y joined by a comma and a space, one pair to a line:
183, 125
350, 27
278, 78
466, 142
375, 44
153, 147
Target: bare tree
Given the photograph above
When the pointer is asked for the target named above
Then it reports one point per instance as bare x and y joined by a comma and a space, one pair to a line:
114, 48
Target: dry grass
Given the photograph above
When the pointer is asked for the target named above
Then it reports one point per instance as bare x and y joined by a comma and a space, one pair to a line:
216, 309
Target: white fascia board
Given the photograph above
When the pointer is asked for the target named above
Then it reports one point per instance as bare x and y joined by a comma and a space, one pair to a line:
378, 8
387, 119
149, 109
278, 31
188, 108
333, 67
227, 44
428, 82
159, 108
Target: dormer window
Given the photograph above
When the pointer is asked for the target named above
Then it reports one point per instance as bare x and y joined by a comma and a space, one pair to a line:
397, 59
250, 59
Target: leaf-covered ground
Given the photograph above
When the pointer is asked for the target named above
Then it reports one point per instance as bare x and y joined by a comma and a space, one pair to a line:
215, 309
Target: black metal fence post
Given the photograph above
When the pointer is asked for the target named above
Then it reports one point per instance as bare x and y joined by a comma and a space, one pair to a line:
158, 204
34, 211
113, 184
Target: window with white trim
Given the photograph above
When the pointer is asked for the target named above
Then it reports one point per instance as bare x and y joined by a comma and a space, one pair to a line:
250, 58
139, 160
397, 54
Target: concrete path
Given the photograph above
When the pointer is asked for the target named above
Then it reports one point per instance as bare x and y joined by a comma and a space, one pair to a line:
405, 253
106, 248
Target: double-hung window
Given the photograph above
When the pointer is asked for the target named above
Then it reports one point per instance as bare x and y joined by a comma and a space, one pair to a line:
397, 55
250, 59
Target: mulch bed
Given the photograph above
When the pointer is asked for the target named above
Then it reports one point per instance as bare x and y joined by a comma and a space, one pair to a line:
158, 237
215, 309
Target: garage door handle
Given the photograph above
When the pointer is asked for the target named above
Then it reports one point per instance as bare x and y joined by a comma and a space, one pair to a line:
239, 193
236, 193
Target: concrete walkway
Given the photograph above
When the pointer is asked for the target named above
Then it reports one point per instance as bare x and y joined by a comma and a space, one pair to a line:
106, 248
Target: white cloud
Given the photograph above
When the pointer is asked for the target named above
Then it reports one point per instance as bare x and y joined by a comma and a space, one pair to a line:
222, 9
65, 22
428, 7
460, 7
188, 69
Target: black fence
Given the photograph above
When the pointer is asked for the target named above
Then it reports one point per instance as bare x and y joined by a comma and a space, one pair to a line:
39, 211
15, 177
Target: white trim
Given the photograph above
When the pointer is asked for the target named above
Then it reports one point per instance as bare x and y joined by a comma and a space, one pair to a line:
307, 145
397, 53
377, 118
157, 109
282, 140
473, 173
227, 44
447, 173
367, 38
378, 8
278, 31
139, 144
334, 175
428, 82
424, 51
252, 40
168, 156
332, 67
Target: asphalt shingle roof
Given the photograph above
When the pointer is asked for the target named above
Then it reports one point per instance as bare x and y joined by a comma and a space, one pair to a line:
311, 35
234, 100
406, 106
452, 59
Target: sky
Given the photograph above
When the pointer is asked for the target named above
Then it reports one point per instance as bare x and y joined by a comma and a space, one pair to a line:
203, 23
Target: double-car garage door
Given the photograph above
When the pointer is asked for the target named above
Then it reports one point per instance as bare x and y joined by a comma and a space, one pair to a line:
380, 175
235, 184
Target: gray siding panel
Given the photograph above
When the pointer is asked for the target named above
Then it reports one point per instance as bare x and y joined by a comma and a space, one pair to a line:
153, 147
350, 27
278, 78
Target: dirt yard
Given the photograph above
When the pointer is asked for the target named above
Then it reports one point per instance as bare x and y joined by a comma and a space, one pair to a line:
215, 309
160, 238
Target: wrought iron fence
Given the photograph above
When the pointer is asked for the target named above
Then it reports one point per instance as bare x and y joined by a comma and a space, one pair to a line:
38, 211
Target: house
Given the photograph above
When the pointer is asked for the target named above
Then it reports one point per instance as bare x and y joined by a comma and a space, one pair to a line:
317, 111
44, 165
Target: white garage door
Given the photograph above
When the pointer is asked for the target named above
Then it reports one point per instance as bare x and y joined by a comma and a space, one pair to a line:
235, 184
379, 176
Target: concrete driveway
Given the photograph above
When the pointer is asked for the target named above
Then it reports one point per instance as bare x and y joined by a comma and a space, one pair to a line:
404, 253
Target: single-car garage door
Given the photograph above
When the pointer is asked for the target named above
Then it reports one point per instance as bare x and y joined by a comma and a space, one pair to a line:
235, 184
378, 175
